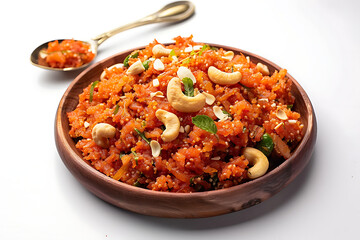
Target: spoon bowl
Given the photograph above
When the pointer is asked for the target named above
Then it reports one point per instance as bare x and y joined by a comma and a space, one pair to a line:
170, 13
36, 61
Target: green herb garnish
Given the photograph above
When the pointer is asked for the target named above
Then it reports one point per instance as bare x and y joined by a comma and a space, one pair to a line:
266, 145
186, 61
139, 184
225, 112
146, 64
203, 49
189, 86
92, 90
116, 109
142, 135
205, 123
172, 53
289, 106
133, 55
135, 156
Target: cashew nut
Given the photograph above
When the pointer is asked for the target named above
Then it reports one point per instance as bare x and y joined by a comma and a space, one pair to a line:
171, 122
258, 160
229, 55
159, 50
136, 68
263, 69
101, 134
180, 102
223, 78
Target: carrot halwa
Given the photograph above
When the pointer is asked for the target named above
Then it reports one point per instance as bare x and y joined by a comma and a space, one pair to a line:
186, 117
67, 53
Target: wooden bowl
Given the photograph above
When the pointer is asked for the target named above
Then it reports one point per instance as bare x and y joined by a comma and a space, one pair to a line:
181, 205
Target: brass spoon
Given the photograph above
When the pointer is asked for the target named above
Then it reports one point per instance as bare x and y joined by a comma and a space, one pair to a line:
173, 12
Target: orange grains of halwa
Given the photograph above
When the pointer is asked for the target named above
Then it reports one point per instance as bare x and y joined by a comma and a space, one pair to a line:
252, 109
65, 54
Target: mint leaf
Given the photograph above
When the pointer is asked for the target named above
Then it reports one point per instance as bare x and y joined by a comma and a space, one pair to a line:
205, 123
189, 86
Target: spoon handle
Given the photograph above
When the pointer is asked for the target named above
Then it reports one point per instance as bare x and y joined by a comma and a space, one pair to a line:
173, 12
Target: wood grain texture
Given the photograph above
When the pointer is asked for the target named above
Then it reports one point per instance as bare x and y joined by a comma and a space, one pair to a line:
181, 205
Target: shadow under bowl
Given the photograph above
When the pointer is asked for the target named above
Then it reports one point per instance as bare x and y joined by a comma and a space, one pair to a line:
181, 205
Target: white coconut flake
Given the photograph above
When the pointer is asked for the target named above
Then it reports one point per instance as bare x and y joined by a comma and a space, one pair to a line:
248, 59
197, 47
174, 59
158, 65
292, 121
279, 125
42, 54
188, 49
157, 94
219, 113
184, 72
156, 82
86, 124
155, 148
210, 99
238, 65
216, 158
280, 114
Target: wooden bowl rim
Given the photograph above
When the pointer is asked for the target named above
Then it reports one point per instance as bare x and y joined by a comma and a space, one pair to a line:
147, 192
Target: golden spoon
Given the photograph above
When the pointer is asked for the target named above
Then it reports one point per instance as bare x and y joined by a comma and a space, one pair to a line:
173, 12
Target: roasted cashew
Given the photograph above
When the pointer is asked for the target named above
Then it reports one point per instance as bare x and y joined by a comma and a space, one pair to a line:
229, 55
101, 134
136, 68
258, 160
159, 50
223, 78
171, 122
263, 69
180, 102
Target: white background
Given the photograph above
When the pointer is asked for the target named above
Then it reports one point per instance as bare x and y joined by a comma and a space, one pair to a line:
317, 41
